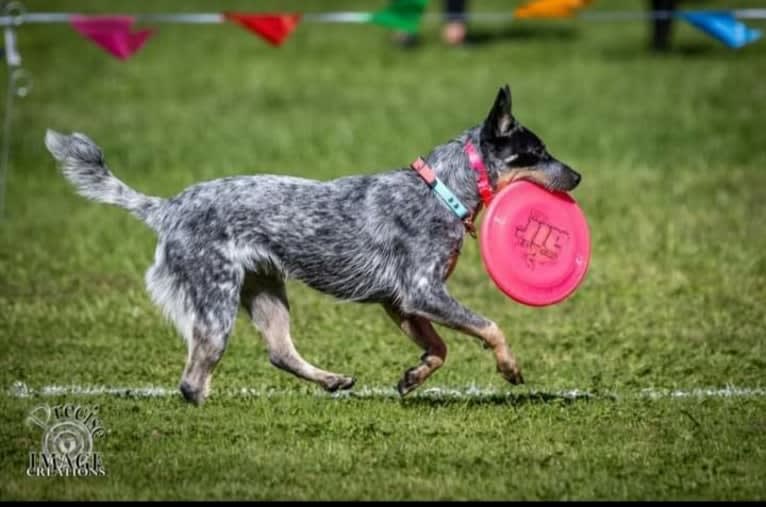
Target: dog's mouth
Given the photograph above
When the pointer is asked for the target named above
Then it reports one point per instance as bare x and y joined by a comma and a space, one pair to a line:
532, 176
564, 184
554, 183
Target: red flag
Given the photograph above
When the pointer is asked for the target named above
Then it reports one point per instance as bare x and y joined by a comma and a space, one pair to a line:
112, 33
273, 27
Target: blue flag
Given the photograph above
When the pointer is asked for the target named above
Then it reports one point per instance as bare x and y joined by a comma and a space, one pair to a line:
723, 26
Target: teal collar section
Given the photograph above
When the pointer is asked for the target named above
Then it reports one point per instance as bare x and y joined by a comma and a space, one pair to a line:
442, 191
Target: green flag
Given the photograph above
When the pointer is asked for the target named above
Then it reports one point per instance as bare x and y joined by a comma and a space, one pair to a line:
401, 15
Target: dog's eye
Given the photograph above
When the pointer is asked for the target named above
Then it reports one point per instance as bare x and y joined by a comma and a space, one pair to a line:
522, 160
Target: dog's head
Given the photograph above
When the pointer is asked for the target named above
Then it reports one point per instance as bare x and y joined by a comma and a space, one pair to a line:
514, 152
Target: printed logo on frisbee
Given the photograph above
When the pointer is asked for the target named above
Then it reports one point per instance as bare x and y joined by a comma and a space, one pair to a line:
541, 240
67, 442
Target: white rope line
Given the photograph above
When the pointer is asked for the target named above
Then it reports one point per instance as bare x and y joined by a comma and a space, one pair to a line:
363, 17
472, 392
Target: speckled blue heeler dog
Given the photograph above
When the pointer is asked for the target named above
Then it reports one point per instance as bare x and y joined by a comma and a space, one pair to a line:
382, 238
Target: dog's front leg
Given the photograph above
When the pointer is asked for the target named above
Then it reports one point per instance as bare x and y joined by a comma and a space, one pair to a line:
435, 304
423, 333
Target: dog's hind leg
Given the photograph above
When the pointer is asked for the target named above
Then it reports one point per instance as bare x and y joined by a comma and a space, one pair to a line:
206, 348
198, 288
215, 314
435, 304
265, 299
420, 330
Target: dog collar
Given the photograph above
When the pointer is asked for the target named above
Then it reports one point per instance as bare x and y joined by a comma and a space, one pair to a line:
441, 190
482, 178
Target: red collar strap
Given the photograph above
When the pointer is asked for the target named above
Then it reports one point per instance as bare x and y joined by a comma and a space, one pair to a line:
482, 178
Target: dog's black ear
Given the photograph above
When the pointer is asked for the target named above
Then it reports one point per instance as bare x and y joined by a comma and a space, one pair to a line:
500, 120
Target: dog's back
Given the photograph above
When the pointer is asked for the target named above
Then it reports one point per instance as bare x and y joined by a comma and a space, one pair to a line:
331, 235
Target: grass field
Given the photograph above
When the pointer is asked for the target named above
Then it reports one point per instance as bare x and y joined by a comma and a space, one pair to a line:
672, 152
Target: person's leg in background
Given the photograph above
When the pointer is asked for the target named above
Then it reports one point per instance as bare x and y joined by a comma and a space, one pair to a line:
454, 30
662, 26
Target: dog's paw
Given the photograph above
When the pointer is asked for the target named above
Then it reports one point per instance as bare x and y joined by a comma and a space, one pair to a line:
338, 383
192, 395
409, 382
512, 373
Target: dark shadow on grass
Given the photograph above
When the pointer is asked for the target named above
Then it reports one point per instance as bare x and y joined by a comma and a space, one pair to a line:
508, 399
482, 398
696, 50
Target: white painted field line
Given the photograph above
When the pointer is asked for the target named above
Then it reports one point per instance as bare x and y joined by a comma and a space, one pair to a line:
472, 392
708, 392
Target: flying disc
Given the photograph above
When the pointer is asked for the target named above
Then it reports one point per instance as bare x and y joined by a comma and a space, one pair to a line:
535, 244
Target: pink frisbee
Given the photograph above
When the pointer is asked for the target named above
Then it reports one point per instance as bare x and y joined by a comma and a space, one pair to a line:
535, 244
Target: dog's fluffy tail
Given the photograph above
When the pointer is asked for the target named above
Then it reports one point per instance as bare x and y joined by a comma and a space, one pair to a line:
82, 163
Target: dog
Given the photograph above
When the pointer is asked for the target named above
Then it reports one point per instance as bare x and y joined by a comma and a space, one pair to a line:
384, 238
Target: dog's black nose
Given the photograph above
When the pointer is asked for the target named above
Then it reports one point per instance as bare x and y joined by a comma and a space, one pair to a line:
575, 179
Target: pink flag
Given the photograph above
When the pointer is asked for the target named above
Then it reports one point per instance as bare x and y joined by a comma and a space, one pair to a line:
112, 33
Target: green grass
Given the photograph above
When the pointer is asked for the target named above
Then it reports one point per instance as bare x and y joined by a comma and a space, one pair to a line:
672, 154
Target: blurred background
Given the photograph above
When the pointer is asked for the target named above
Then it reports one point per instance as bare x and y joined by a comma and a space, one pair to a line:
665, 125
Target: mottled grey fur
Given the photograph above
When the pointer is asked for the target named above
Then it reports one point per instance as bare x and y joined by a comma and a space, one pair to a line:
381, 238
